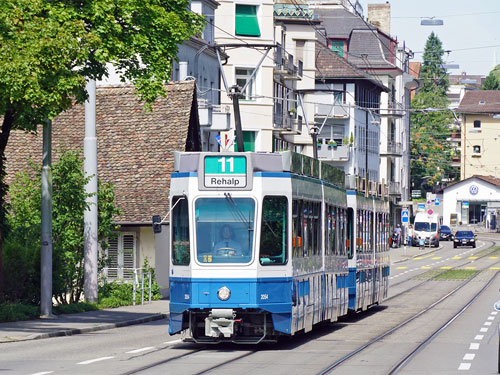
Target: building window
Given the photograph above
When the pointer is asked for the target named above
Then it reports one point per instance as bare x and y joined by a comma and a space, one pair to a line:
476, 149
242, 76
247, 23
338, 47
477, 123
121, 257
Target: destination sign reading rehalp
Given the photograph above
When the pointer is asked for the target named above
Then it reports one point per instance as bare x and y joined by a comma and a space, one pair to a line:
225, 171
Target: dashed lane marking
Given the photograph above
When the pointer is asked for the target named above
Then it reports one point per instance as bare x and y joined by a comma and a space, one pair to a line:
401, 268
436, 257
43, 373
469, 356
141, 350
446, 268
464, 366
456, 258
94, 360
474, 346
473, 257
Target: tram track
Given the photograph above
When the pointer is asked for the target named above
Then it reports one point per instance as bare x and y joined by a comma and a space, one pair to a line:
391, 285
407, 358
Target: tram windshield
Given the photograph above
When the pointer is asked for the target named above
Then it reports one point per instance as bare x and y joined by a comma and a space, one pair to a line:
225, 229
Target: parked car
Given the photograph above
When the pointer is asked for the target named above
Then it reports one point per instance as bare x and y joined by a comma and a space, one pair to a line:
464, 238
445, 233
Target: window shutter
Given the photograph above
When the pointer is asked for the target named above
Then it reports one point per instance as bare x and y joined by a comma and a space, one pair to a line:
128, 256
113, 259
338, 47
246, 20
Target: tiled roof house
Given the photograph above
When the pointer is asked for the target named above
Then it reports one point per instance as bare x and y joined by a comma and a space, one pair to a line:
135, 150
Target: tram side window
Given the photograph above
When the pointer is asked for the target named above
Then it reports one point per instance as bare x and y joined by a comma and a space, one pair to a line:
180, 232
273, 237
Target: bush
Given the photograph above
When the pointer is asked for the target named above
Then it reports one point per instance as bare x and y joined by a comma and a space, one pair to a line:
73, 308
11, 312
116, 294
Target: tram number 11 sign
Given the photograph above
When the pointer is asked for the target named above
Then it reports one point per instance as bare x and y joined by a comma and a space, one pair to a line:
225, 171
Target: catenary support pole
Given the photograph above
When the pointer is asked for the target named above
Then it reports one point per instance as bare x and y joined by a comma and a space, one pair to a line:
46, 235
90, 214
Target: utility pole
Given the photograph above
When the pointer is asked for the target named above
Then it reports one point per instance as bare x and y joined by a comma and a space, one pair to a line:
235, 92
46, 235
90, 214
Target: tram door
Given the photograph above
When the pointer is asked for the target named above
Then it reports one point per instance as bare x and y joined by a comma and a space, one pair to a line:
350, 233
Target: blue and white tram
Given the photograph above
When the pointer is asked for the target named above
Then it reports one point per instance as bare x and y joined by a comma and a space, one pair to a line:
263, 245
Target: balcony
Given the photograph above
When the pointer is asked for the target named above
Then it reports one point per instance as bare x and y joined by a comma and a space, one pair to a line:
394, 188
392, 149
326, 110
330, 153
284, 65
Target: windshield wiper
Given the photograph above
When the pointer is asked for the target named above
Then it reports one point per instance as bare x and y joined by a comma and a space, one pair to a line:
240, 214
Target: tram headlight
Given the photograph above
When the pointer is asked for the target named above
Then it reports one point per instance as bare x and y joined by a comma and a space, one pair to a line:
224, 293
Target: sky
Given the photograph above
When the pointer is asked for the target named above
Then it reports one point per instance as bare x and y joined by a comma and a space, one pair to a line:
468, 26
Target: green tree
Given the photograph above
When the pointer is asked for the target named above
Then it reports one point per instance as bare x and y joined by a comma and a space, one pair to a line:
433, 76
491, 82
69, 203
430, 121
49, 48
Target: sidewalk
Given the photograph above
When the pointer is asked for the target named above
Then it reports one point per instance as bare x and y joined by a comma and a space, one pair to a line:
71, 324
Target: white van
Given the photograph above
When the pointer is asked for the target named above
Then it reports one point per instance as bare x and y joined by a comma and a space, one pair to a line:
426, 227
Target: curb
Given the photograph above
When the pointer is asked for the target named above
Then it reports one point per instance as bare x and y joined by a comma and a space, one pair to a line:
76, 331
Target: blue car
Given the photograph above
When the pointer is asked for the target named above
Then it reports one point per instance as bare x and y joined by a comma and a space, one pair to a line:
464, 238
445, 233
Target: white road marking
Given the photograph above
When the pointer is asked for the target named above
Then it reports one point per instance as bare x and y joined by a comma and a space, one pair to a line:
94, 360
464, 366
483, 330
494, 312
469, 356
491, 318
140, 350
487, 323
172, 342
474, 346
479, 337
43, 373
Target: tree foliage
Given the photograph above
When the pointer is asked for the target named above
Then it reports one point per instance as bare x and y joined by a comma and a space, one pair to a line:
491, 82
49, 48
430, 121
24, 218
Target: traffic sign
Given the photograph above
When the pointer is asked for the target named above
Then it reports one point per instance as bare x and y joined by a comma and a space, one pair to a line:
436, 201
430, 211
405, 216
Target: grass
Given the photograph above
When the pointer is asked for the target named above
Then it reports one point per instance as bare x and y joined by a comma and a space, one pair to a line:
439, 275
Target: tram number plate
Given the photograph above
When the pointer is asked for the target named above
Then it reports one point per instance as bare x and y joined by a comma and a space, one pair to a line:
225, 171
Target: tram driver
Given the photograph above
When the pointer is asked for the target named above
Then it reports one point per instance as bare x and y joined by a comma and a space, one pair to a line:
227, 246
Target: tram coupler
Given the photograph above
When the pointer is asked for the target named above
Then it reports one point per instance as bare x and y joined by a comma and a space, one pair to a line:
220, 322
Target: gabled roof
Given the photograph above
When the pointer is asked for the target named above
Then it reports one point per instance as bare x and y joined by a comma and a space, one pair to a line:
364, 39
480, 101
489, 179
135, 147
330, 65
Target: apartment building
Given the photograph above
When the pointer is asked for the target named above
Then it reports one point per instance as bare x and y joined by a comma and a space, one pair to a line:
480, 136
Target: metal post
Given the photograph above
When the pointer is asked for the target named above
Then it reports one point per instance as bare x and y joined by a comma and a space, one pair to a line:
90, 214
235, 96
142, 288
46, 235
149, 274
133, 286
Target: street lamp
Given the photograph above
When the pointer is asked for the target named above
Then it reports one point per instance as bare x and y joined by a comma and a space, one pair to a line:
431, 21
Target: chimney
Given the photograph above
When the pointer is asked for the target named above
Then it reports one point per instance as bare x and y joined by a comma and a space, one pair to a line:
379, 15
